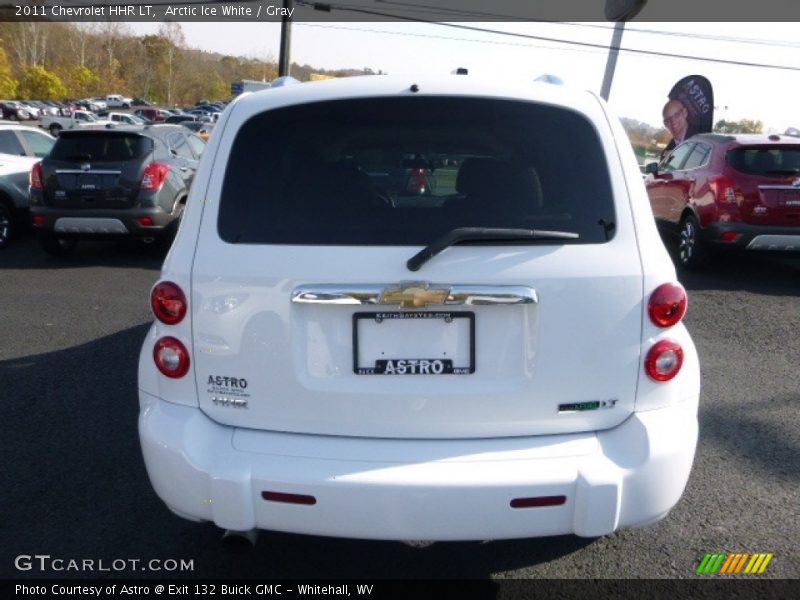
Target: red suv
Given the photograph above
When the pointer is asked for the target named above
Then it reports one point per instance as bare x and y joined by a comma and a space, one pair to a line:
153, 115
728, 191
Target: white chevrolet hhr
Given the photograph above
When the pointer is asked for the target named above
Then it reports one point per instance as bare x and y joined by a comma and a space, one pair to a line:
410, 309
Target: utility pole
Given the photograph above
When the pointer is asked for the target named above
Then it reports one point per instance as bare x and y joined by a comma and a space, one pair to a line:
618, 11
286, 37
611, 62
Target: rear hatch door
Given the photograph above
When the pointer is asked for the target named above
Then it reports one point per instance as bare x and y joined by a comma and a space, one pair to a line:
307, 318
769, 181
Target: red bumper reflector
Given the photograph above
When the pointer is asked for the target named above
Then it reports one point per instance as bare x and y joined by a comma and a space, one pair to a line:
288, 498
537, 501
145, 221
38, 219
729, 236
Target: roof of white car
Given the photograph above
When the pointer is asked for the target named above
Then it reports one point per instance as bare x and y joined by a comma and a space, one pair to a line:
751, 138
15, 125
11, 163
384, 85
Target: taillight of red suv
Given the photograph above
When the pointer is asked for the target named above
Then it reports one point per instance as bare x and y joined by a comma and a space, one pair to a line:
724, 190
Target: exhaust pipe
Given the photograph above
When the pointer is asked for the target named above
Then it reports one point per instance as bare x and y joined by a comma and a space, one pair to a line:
241, 541
148, 240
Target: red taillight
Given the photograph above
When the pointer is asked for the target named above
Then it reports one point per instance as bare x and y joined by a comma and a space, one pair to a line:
168, 302
38, 220
36, 176
667, 304
145, 221
723, 190
417, 182
154, 176
664, 360
729, 236
171, 357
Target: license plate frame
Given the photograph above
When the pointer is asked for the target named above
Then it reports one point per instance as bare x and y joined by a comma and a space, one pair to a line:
408, 366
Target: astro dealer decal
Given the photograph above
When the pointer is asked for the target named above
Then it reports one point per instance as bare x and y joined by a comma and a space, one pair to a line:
228, 391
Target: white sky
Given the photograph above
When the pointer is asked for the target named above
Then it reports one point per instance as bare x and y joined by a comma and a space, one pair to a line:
641, 82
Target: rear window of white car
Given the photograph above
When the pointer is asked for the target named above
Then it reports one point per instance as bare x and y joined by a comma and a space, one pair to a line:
404, 171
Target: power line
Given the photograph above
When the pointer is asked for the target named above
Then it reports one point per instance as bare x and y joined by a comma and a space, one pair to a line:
623, 49
689, 35
604, 47
607, 27
493, 16
442, 37
473, 14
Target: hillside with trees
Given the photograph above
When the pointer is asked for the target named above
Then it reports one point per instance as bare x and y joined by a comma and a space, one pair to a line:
54, 61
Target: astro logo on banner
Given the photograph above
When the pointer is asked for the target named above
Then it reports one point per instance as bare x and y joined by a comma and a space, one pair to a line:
723, 563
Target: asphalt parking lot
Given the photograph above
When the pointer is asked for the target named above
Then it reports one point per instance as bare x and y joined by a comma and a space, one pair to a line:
74, 484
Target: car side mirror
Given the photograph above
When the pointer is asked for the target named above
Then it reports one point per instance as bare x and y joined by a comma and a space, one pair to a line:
651, 168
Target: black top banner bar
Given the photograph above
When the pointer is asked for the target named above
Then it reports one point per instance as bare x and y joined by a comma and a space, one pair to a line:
401, 10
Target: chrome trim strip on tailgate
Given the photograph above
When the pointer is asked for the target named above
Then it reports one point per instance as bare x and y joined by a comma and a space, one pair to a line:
414, 295
88, 172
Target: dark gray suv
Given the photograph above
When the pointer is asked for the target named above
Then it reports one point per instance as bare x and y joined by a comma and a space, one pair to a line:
113, 183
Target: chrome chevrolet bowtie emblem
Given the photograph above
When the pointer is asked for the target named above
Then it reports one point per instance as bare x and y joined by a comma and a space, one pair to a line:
414, 295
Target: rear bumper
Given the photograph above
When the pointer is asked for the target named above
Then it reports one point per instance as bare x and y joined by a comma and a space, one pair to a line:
102, 223
754, 237
418, 489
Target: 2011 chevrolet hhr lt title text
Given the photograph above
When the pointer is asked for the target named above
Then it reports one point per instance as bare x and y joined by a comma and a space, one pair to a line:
419, 310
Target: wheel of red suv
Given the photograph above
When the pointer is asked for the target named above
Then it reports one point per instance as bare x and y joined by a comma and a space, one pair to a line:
691, 250
5, 225
55, 245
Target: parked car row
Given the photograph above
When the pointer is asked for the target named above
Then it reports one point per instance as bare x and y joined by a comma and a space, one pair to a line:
20, 148
14, 110
122, 179
114, 181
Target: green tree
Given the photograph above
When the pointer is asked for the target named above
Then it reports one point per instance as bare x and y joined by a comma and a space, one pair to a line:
8, 85
83, 81
40, 84
741, 126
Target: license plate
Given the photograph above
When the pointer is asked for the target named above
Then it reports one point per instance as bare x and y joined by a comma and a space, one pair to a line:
88, 182
790, 198
413, 343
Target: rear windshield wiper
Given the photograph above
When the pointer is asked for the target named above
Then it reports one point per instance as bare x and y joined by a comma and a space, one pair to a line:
463, 234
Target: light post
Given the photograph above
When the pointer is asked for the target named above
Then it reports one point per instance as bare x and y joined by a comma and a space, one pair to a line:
618, 11
286, 35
